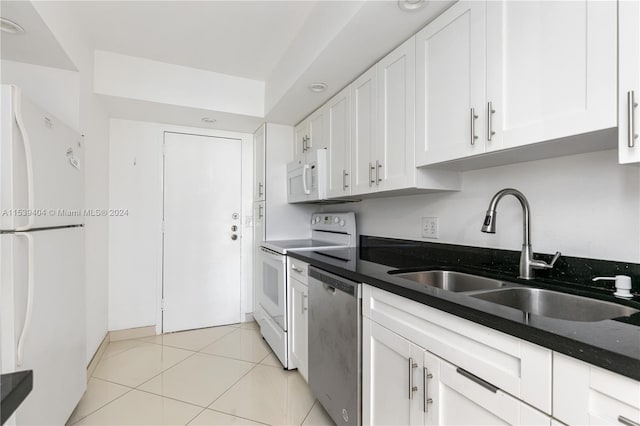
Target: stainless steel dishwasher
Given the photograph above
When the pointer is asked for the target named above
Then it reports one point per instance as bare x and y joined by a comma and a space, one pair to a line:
335, 356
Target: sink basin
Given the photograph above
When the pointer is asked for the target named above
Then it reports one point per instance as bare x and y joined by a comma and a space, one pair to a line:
557, 305
453, 281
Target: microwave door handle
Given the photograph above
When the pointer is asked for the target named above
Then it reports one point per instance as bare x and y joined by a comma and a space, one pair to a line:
307, 191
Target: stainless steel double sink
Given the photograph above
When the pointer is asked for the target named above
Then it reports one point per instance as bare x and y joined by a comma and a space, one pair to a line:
537, 301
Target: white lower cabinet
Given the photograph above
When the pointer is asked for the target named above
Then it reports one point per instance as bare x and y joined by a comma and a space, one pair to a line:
390, 367
458, 398
587, 395
299, 326
403, 384
423, 366
515, 366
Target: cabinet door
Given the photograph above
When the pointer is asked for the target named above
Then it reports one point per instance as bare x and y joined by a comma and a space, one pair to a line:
629, 79
300, 140
259, 141
461, 399
339, 144
395, 154
258, 224
551, 70
363, 132
317, 130
587, 395
391, 368
298, 331
450, 85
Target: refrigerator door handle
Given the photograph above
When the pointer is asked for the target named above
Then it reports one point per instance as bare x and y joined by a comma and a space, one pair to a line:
30, 289
17, 109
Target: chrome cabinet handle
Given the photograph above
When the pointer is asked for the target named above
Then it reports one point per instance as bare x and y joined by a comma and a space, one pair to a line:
260, 189
627, 422
296, 269
631, 127
371, 169
425, 379
477, 380
490, 112
412, 388
309, 142
378, 167
345, 185
474, 117
260, 213
305, 306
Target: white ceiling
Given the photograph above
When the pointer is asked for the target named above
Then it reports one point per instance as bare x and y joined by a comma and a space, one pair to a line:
37, 45
241, 38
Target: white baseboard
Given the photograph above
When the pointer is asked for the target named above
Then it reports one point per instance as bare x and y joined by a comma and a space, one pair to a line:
97, 356
132, 333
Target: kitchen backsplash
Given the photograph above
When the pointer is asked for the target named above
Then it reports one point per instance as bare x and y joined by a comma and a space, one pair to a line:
584, 205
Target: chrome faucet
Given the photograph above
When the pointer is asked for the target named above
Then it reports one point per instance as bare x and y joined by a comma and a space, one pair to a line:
527, 262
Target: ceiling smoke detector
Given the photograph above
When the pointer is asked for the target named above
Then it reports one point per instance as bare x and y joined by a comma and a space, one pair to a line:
208, 120
318, 87
411, 5
8, 26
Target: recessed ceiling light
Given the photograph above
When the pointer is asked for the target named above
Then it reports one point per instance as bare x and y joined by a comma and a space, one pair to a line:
209, 120
318, 87
411, 5
8, 26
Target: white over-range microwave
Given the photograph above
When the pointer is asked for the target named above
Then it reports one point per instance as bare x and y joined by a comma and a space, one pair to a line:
307, 178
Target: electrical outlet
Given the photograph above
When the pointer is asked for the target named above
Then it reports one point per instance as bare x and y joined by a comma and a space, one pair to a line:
430, 227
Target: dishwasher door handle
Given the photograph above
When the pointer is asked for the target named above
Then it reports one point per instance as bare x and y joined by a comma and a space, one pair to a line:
329, 288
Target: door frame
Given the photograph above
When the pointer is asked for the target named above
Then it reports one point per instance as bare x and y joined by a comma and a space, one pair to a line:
246, 210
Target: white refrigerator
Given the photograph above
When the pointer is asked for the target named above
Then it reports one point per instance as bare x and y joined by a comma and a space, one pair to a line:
42, 292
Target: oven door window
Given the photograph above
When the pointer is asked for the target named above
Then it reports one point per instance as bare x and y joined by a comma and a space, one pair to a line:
272, 291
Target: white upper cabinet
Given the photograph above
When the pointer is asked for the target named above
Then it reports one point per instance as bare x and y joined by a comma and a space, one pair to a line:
259, 147
301, 140
339, 144
363, 131
394, 157
310, 134
450, 85
629, 81
551, 70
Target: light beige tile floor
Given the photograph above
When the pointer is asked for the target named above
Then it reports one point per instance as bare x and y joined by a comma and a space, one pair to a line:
215, 376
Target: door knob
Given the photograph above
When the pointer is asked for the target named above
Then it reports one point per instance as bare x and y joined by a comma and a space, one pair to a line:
234, 237
234, 228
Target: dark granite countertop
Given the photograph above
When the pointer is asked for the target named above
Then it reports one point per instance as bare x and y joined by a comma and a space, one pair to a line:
610, 344
14, 388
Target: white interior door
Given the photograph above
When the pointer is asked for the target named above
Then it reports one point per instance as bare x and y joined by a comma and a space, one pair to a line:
202, 202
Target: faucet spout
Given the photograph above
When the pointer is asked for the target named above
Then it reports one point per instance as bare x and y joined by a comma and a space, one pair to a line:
527, 262
489, 225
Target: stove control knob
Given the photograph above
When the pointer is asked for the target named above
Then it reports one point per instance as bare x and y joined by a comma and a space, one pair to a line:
342, 223
336, 219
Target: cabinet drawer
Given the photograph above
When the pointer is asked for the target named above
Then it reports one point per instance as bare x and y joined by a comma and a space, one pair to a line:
517, 367
298, 270
588, 395
462, 400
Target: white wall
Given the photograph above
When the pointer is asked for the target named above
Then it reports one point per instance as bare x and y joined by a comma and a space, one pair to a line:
583, 205
147, 80
135, 241
54, 89
93, 123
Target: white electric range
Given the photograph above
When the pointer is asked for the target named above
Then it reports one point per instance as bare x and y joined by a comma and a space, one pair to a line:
328, 231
